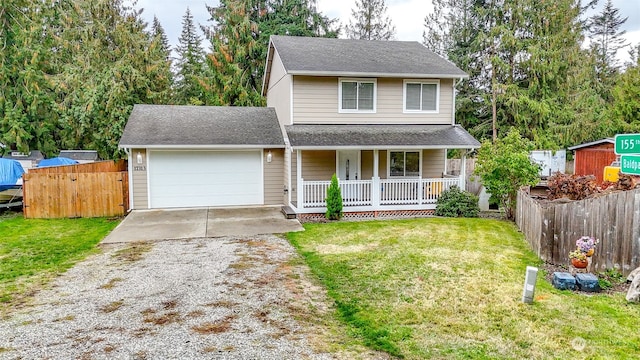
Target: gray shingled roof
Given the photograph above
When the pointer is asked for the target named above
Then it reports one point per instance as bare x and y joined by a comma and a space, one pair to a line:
171, 125
375, 136
345, 57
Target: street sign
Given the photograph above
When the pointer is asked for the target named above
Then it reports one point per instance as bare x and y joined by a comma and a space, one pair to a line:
627, 144
630, 164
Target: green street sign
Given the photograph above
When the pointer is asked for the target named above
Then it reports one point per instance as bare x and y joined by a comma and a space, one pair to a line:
627, 144
630, 164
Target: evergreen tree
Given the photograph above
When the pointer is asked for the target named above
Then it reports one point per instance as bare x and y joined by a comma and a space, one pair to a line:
525, 64
27, 110
334, 200
452, 31
157, 32
110, 63
370, 22
239, 40
190, 64
606, 38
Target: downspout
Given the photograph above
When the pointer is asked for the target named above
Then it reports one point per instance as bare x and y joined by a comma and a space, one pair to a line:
130, 179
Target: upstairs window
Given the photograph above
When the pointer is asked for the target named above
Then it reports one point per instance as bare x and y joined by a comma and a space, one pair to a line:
421, 96
357, 95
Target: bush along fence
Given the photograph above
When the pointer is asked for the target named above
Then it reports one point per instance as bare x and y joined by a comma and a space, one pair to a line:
83, 190
552, 228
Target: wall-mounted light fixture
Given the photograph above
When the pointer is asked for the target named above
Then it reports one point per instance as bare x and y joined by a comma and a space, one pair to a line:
139, 158
269, 156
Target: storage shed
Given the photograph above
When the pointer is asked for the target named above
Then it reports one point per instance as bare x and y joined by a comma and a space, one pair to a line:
591, 158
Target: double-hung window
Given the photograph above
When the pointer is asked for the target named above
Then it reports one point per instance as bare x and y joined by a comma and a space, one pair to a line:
421, 96
404, 163
357, 95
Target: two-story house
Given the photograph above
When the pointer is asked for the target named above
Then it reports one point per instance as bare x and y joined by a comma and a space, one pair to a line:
379, 114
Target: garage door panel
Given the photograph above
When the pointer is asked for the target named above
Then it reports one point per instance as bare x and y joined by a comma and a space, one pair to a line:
205, 178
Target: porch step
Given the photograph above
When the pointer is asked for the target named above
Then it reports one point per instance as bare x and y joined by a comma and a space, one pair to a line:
288, 212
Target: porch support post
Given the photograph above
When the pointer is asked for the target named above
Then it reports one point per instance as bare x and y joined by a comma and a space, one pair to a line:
375, 181
463, 170
300, 186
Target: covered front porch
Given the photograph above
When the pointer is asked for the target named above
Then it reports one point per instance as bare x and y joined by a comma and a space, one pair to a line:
379, 168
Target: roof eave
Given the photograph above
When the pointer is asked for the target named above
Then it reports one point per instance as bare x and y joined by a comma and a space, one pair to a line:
378, 75
201, 147
592, 143
383, 147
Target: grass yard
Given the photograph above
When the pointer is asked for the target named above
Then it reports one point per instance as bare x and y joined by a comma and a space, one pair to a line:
34, 250
451, 289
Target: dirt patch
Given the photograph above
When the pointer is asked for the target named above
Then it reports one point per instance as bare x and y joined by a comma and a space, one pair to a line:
216, 327
134, 252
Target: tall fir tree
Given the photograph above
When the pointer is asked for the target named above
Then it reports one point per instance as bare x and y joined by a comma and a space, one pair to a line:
451, 31
158, 33
239, 39
28, 119
607, 38
369, 21
110, 63
190, 64
525, 63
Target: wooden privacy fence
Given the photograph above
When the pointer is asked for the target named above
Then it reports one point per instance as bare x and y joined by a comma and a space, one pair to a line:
472, 184
553, 228
83, 190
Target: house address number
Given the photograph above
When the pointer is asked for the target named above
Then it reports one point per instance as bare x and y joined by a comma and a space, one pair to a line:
139, 168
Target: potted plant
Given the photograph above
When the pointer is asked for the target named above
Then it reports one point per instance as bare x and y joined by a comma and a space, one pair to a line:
578, 259
587, 244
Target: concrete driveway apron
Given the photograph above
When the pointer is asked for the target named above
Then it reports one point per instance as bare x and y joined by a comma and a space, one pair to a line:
153, 225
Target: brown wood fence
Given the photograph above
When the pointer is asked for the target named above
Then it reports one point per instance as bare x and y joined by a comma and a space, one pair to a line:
83, 190
553, 228
472, 184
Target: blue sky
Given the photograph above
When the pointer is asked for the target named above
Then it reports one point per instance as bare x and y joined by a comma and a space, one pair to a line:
407, 15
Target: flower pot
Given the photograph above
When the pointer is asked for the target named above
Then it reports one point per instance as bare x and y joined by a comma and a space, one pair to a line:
590, 252
580, 264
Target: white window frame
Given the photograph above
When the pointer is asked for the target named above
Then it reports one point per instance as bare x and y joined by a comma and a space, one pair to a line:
421, 82
357, 80
405, 151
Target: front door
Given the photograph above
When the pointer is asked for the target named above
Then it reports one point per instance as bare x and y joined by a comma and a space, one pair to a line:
349, 164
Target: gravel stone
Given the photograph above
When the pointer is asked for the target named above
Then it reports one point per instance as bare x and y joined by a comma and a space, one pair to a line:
223, 298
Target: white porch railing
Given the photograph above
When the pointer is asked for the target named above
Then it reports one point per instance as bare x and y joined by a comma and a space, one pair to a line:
354, 193
391, 192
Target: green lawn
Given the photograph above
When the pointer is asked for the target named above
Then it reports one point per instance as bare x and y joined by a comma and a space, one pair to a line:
31, 251
451, 288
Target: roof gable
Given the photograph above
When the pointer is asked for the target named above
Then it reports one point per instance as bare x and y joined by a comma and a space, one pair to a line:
201, 126
346, 57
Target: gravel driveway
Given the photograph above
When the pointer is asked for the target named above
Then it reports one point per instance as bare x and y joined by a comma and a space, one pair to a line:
224, 298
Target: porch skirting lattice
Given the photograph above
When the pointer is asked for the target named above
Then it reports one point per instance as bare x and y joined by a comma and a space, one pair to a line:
359, 215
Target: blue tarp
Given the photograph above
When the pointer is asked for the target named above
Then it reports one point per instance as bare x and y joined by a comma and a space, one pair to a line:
10, 172
56, 161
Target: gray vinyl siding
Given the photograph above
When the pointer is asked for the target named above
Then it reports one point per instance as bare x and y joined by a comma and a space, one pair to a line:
279, 91
315, 101
273, 180
140, 181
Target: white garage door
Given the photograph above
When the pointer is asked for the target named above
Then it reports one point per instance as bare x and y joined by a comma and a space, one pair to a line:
205, 178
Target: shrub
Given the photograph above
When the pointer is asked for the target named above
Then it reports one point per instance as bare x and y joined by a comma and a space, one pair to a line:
457, 203
334, 200
505, 166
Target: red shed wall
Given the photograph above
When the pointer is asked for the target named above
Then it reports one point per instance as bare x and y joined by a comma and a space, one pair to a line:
593, 159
